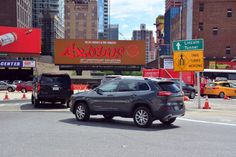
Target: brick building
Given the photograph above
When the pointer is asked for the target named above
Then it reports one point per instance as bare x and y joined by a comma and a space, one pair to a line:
16, 13
212, 20
172, 3
81, 19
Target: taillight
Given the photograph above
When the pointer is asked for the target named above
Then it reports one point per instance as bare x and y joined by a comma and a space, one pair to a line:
164, 93
72, 87
38, 88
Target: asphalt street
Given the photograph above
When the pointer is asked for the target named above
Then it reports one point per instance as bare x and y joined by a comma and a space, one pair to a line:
53, 131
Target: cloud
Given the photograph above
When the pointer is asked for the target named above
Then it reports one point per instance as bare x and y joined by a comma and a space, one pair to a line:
121, 9
124, 26
129, 14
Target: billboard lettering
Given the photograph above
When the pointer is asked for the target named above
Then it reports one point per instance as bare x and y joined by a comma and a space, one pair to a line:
100, 52
9, 63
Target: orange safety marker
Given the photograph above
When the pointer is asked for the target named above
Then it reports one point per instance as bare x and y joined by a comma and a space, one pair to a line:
206, 104
6, 97
24, 96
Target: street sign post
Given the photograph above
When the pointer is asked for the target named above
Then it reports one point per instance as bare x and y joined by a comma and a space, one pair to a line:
188, 45
188, 56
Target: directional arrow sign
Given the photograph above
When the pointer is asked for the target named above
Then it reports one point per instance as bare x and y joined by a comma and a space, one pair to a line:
178, 46
188, 45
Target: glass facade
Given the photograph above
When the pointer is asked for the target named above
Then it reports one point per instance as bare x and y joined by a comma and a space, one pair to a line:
103, 17
49, 16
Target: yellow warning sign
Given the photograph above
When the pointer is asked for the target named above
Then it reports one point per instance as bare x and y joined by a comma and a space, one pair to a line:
188, 60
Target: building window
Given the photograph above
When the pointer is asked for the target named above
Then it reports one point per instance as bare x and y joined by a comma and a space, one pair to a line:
215, 30
201, 7
200, 27
229, 13
228, 50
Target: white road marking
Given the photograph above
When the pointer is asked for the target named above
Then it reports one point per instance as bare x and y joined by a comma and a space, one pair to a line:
207, 122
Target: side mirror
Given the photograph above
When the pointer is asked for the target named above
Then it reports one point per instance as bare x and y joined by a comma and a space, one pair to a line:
99, 91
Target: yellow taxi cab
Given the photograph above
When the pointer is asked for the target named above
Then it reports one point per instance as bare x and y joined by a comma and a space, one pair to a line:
220, 89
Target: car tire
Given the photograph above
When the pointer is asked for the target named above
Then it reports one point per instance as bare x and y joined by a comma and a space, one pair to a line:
192, 95
23, 90
36, 102
82, 112
32, 99
168, 122
142, 117
221, 94
67, 104
108, 117
10, 89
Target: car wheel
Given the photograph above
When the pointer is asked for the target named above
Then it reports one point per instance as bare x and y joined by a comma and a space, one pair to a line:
222, 95
192, 95
32, 99
36, 102
168, 122
142, 117
10, 89
23, 90
82, 112
108, 117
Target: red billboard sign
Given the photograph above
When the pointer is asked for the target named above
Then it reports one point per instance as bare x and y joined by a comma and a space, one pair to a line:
20, 40
99, 52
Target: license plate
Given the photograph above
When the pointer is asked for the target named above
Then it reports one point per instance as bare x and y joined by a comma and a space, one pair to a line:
55, 88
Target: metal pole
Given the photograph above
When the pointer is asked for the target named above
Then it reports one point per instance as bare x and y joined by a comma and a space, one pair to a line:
198, 90
181, 37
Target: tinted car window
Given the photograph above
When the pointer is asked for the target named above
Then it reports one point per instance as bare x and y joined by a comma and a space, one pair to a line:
127, 86
168, 86
143, 86
211, 85
109, 86
224, 84
65, 80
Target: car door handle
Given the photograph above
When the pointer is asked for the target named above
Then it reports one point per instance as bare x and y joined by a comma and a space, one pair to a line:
110, 95
134, 95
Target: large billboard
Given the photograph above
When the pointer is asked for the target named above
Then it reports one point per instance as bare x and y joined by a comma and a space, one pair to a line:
99, 52
20, 40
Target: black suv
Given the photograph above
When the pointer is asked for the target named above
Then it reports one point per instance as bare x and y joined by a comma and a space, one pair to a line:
144, 99
188, 90
51, 88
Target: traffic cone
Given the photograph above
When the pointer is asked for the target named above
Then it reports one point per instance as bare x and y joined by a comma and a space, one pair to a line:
24, 96
6, 96
206, 104
226, 97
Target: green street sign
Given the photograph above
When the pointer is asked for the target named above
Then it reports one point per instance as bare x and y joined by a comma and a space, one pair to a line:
188, 45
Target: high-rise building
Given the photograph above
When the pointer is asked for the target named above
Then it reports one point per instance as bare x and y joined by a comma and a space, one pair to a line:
81, 19
114, 32
213, 21
103, 18
147, 36
16, 13
49, 16
173, 3
169, 16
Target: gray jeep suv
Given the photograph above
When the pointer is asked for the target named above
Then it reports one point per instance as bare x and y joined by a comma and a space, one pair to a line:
144, 99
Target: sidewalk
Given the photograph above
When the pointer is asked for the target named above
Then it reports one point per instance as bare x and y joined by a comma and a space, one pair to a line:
14, 96
221, 110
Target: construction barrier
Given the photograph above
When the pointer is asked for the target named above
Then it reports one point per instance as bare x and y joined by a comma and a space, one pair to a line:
206, 104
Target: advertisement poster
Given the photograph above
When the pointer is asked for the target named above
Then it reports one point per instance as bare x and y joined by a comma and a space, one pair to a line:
20, 40
99, 52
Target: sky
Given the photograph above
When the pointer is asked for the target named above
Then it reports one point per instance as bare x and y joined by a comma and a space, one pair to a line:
129, 14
